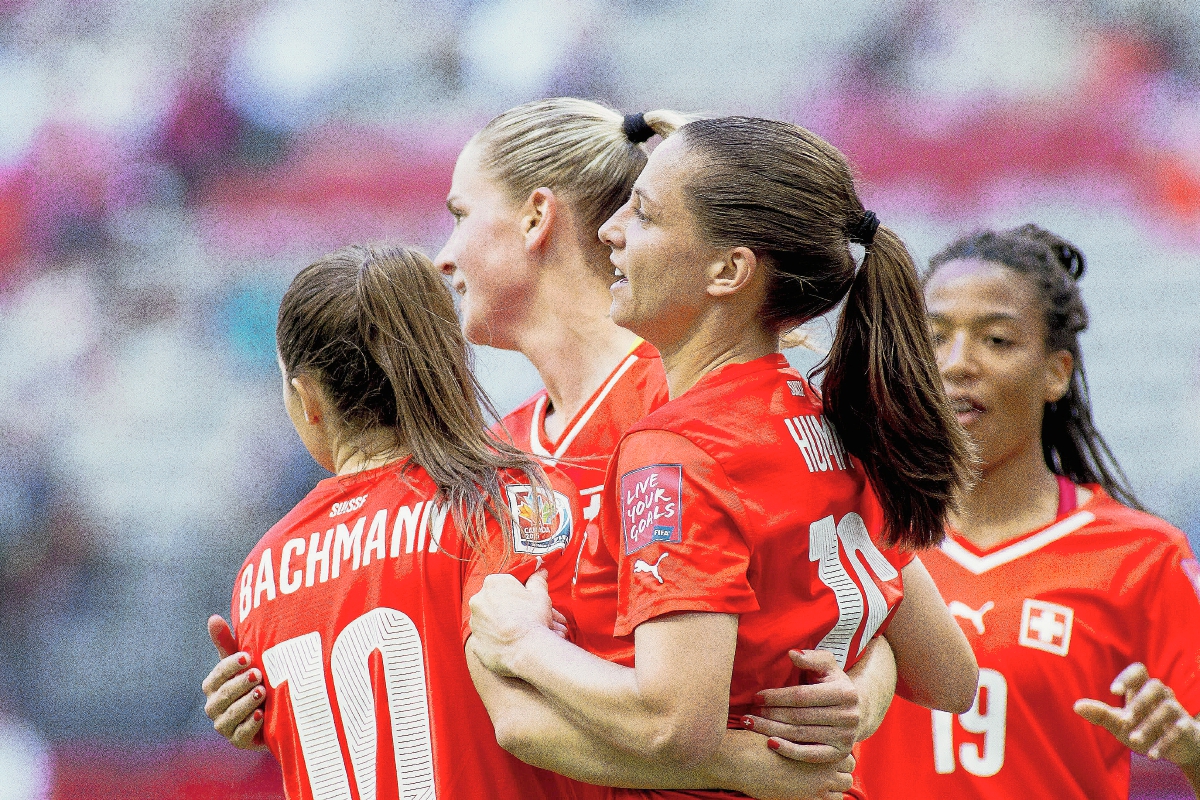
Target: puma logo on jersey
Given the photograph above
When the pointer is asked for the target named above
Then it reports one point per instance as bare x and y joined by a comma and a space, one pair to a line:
960, 609
642, 566
819, 443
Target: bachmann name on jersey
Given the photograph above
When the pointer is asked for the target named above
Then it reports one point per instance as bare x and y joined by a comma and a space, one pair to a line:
1052, 616
359, 629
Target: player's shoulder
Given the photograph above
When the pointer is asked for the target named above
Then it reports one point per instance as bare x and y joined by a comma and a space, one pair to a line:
1115, 518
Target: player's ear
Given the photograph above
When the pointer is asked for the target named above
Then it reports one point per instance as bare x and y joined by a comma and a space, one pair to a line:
1060, 365
733, 271
539, 217
312, 398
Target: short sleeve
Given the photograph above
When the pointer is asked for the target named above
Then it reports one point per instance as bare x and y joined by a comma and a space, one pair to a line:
1173, 625
679, 544
546, 534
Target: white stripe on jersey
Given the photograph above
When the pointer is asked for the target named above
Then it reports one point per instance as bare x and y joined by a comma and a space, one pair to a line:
981, 564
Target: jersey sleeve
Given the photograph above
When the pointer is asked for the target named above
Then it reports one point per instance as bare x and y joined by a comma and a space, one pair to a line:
680, 545
1172, 624
542, 532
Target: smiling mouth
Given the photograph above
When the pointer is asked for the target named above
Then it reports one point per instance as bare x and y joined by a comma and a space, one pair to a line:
966, 410
619, 277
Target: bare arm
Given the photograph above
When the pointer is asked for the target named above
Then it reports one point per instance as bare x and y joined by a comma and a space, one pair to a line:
672, 705
924, 635
531, 728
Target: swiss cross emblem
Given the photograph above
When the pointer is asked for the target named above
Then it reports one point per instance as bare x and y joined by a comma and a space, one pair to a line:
1046, 626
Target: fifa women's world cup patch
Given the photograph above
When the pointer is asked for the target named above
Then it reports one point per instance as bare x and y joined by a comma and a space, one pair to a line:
541, 524
651, 510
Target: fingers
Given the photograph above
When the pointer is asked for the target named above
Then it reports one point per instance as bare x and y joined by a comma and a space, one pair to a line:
221, 635
811, 695
225, 696
809, 753
1111, 719
828, 716
244, 713
1174, 734
244, 735
225, 669
558, 617
821, 662
1130, 680
539, 582
1155, 710
839, 738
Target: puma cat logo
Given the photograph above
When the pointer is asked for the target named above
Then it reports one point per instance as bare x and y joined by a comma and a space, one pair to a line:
961, 609
642, 566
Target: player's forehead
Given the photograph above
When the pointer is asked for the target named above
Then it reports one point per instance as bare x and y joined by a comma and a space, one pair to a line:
973, 292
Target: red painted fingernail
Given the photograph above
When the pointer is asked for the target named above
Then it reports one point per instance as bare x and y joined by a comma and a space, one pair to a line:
771, 743
243, 659
258, 693
749, 723
257, 714
759, 699
253, 676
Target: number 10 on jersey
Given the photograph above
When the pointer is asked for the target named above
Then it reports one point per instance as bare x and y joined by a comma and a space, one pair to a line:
298, 663
989, 716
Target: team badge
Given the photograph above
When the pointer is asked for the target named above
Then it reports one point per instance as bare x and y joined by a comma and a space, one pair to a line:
650, 505
1191, 568
541, 524
1046, 626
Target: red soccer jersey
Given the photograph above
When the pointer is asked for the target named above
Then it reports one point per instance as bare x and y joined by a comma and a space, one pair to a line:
355, 605
635, 388
738, 498
1053, 616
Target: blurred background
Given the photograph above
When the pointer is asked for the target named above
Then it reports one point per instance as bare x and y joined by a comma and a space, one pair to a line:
166, 167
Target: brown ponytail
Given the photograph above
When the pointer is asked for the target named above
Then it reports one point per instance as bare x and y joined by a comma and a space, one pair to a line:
376, 327
885, 397
788, 194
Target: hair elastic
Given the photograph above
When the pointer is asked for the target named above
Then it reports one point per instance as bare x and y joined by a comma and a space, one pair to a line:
636, 129
863, 231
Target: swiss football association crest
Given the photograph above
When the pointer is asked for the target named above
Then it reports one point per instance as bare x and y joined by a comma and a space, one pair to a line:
650, 505
541, 524
1046, 626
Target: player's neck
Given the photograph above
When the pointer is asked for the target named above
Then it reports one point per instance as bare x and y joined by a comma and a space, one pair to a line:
574, 347
369, 451
1011, 498
710, 347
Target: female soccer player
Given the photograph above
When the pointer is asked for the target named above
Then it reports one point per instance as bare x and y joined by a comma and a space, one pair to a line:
1059, 579
739, 519
355, 599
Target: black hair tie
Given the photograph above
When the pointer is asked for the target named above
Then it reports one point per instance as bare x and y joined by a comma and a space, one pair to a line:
636, 129
863, 231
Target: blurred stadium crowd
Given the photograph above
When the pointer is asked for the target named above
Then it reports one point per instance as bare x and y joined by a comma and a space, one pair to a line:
167, 166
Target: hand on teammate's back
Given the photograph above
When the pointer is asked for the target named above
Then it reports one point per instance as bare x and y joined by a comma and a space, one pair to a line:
815, 721
232, 691
1152, 722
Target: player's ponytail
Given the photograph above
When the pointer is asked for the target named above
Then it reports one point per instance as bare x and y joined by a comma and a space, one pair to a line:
788, 195
376, 327
884, 395
1071, 444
